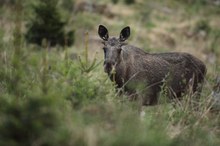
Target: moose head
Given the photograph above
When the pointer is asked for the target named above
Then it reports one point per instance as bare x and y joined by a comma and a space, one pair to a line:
134, 68
112, 46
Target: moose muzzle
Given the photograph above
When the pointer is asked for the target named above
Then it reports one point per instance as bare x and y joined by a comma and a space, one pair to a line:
108, 66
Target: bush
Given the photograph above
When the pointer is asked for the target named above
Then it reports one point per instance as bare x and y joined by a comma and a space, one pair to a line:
115, 1
68, 5
48, 24
30, 121
128, 2
203, 25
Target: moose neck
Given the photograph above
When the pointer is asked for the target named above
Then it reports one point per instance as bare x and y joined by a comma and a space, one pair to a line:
122, 67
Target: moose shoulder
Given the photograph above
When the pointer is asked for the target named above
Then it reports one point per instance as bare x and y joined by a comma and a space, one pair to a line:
141, 73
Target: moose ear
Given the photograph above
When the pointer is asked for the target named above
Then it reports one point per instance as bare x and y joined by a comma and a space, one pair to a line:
103, 32
125, 33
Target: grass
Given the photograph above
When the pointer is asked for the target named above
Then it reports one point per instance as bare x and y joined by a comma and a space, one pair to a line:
46, 99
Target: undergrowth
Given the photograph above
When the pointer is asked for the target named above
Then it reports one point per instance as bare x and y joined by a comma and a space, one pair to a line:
55, 103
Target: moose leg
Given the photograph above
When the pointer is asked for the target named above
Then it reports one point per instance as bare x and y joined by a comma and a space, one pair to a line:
151, 96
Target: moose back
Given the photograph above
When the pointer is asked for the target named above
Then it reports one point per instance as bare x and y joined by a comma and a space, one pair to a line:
142, 74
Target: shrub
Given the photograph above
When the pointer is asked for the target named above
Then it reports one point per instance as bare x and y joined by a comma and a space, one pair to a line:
202, 25
31, 121
115, 1
128, 2
48, 24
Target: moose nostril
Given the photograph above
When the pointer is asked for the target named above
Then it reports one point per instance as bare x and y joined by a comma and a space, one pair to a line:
108, 62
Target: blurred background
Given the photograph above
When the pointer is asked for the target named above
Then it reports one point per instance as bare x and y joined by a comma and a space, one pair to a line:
156, 26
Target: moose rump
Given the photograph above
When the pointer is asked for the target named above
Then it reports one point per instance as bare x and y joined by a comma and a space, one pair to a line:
140, 73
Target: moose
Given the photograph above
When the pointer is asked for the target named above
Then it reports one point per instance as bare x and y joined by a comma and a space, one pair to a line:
142, 75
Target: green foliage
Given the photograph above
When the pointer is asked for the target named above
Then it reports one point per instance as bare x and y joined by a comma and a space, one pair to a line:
29, 121
195, 6
85, 21
144, 15
68, 4
202, 25
214, 47
193, 2
33, 110
48, 24
114, 1
84, 64
129, 2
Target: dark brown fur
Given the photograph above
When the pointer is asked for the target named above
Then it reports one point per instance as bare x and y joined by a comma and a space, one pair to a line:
143, 74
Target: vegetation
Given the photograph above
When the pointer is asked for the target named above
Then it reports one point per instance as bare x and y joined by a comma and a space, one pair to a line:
50, 97
129, 2
47, 24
